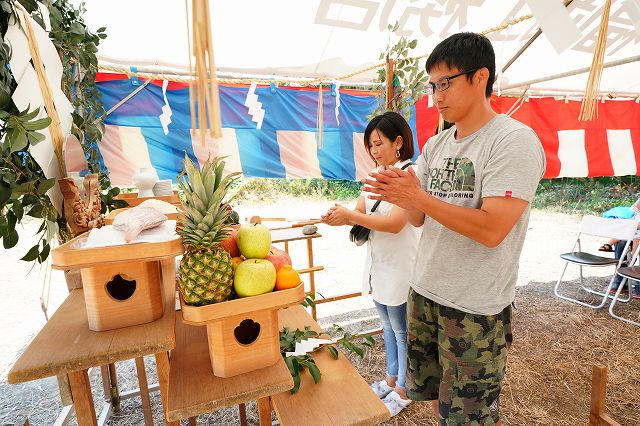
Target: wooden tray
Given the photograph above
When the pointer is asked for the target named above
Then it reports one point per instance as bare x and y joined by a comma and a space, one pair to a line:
290, 234
200, 315
70, 256
133, 199
282, 223
108, 219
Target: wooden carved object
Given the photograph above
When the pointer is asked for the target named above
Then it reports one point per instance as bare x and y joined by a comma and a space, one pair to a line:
82, 214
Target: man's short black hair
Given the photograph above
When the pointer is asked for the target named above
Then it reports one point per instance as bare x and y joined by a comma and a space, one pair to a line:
466, 52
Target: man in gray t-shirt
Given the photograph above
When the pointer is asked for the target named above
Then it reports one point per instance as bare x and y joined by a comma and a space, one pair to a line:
472, 191
502, 159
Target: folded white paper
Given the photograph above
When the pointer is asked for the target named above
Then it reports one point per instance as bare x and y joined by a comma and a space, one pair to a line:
308, 345
110, 236
165, 117
556, 23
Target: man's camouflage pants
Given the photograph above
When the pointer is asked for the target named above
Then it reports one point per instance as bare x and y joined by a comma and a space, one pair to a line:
456, 358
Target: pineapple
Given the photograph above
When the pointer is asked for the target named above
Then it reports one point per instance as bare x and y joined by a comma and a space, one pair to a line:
206, 271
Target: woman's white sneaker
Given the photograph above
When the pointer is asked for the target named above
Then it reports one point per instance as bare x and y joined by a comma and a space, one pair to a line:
381, 388
395, 403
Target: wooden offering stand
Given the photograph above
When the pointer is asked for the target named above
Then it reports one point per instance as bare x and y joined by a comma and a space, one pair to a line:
133, 199
243, 333
122, 284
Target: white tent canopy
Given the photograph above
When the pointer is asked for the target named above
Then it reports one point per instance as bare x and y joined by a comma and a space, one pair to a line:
331, 39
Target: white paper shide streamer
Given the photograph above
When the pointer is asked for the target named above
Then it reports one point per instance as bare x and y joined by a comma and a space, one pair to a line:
28, 93
306, 346
255, 107
337, 111
165, 117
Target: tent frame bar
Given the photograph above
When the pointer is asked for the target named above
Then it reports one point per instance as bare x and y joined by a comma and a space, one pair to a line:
527, 44
184, 74
611, 64
566, 93
522, 49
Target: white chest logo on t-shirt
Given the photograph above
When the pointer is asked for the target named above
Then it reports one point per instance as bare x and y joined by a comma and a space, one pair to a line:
456, 178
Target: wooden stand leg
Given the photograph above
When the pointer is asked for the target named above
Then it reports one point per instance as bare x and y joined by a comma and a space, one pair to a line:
192, 421
106, 383
312, 281
115, 394
82, 398
65, 389
598, 393
162, 366
264, 411
597, 417
144, 391
242, 411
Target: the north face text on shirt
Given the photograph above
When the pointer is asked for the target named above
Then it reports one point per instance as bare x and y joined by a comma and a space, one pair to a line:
456, 178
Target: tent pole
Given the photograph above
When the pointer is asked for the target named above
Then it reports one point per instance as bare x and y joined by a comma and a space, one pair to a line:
522, 49
527, 44
611, 64
125, 99
572, 93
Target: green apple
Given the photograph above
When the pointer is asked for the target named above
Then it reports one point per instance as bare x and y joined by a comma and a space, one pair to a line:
254, 241
254, 277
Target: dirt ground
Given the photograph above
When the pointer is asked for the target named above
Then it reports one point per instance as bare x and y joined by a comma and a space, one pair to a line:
548, 378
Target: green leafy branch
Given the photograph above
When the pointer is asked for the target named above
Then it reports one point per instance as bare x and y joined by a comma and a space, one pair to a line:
23, 184
409, 81
298, 364
350, 341
309, 300
78, 48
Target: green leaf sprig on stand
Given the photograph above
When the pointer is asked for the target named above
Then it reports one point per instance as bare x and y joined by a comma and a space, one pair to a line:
409, 82
298, 364
309, 300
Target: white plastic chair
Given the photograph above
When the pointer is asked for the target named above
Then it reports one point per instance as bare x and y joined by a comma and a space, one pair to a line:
628, 273
619, 229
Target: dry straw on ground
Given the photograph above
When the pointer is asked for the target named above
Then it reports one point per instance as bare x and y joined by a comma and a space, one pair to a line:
548, 380
547, 383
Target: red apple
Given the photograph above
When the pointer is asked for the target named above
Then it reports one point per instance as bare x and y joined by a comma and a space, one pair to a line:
278, 257
230, 244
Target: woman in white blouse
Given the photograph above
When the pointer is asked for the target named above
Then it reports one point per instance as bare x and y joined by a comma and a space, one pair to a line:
391, 252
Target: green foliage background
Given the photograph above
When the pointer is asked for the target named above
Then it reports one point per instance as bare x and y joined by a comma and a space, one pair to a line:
566, 195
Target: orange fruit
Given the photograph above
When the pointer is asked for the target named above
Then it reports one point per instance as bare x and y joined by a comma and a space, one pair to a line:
286, 278
235, 261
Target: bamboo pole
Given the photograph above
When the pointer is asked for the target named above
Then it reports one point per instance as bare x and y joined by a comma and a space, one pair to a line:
207, 94
440, 123
389, 77
589, 107
57, 138
215, 118
201, 82
192, 88
202, 66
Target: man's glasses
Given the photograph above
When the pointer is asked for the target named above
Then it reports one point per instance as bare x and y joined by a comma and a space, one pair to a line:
444, 83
